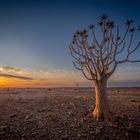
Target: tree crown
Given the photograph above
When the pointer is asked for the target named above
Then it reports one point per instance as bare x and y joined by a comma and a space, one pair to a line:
98, 58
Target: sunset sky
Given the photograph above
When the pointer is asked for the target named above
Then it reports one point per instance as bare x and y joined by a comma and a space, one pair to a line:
35, 37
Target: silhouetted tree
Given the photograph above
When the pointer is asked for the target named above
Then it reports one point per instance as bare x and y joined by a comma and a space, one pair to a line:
98, 51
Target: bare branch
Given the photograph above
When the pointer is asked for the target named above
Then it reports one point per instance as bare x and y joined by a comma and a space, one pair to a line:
98, 58
135, 48
86, 75
76, 66
133, 61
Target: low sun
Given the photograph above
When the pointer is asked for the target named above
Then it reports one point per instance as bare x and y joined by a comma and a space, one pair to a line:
3, 82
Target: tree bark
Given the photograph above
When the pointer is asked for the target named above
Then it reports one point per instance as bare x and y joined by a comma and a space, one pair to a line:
101, 111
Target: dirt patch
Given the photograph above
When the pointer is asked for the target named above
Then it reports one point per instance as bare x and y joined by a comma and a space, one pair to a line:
65, 114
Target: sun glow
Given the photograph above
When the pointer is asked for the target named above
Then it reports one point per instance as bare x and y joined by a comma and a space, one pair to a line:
15, 77
12, 82
3, 82
1, 69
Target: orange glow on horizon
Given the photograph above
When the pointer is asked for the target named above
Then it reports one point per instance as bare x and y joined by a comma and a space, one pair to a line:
14, 77
2, 82
17, 83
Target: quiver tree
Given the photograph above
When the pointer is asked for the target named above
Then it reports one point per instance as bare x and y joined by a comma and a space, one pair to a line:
98, 51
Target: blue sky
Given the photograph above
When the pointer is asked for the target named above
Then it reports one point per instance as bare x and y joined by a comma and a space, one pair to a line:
35, 34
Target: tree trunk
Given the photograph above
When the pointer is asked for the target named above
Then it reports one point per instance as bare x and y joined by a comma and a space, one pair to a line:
101, 111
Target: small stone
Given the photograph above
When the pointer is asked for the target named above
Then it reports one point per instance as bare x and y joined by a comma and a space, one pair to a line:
78, 135
98, 129
71, 104
83, 135
2, 132
51, 116
23, 135
60, 131
13, 115
72, 125
70, 113
127, 134
32, 120
28, 117
49, 110
40, 124
33, 133
65, 137
133, 100
22, 138
42, 110
4, 128
91, 132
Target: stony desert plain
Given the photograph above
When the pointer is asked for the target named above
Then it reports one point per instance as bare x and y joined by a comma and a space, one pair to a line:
65, 114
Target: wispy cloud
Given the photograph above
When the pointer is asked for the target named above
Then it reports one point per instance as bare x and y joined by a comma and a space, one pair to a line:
43, 77
15, 76
11, 72
9, 69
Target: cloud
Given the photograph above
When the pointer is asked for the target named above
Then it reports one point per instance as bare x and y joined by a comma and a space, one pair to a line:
11, 72
15, 76
9, 69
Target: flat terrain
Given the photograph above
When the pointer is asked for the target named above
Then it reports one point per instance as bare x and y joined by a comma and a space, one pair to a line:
65, 114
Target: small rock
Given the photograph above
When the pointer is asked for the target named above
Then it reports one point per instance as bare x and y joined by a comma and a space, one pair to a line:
98, 129
33, 133
127, 134
60, 131
43, 109
91, 132
22, 138
4, 129
78, 135
49, 110
23, 135
65, 137
2, 133
28, 117
133, 100
49, 89
40, 124
13, 115
82, 120
70, 113
78, 125
132, 127
51, 116
72, 125
83, 135
71, 104
32, 120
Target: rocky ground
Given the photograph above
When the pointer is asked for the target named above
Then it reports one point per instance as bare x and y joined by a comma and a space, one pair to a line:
65, 114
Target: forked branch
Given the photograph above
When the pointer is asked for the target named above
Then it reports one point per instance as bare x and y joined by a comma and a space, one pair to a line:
97, 56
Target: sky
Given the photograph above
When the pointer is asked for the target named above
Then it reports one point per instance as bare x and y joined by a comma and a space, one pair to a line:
35, 37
